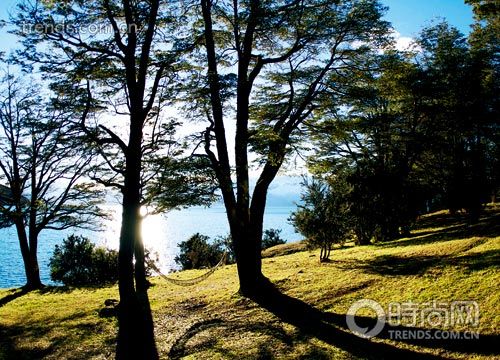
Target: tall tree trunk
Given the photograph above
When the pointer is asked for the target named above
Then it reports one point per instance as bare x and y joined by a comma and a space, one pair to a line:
248, 243
248, 260
30, 262
34, 281
141, 282
29, 255
135, 334
128, 300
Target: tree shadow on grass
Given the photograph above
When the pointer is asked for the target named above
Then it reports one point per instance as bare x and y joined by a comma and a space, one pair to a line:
16, 341
136, 338
479, 261
332, 329
400, 265
418, 265
19, 292
455, 228
310, 322
13, 295
266, 349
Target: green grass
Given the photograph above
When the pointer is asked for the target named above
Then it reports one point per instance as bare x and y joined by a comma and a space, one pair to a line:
444, 260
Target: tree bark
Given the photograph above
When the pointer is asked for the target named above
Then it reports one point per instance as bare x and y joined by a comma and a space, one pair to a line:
29, 256
248, 261
135, 335
34, 281
127, 335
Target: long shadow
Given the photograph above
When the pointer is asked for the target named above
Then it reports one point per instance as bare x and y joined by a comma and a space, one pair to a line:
399, 265
431, 338
455, 228
418, 265
15, 294
332, 329
136, 338
481, 261
13, 338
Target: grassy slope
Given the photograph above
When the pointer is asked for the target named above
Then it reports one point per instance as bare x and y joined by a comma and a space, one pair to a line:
443, 260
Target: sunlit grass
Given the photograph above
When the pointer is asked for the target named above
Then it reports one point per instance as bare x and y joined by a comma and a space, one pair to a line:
443, 260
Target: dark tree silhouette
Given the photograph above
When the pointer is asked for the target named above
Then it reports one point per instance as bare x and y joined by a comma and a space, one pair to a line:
117, 58
43, 170
269, 60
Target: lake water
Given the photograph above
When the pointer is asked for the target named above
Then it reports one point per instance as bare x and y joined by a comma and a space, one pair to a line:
161, 234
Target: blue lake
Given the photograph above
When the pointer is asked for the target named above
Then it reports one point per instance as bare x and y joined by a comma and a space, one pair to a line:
161, 234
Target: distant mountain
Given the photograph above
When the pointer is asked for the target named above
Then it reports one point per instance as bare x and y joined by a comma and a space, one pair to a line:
282, 200
284, 191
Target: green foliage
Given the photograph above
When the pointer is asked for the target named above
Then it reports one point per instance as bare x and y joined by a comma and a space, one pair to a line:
415, 131
323, 217
43, 168
271, 237
463, 110
181, 182
197, 252
282, 53
79, 262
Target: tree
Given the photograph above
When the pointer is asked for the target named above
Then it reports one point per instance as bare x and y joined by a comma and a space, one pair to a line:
486, 10
269, 61
374, 141
43, 170
415, 129
465, 112
323, 215
117, 58
484, 42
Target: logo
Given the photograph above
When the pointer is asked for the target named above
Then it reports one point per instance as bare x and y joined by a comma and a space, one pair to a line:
365, 332
426, 320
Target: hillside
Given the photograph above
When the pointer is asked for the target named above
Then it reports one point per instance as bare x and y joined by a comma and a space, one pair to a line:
444, 260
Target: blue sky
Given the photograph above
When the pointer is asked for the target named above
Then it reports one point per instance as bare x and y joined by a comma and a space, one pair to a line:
408, 17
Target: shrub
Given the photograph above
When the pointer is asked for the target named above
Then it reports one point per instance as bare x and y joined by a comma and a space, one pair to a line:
272, 238
79, 262
196, 252
323, 218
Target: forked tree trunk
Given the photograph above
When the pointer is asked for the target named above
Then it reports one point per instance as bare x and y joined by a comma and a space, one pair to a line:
248, 261
247, 239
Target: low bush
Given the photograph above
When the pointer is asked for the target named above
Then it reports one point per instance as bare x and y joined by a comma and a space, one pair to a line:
79, 262
272, 238
197, 252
